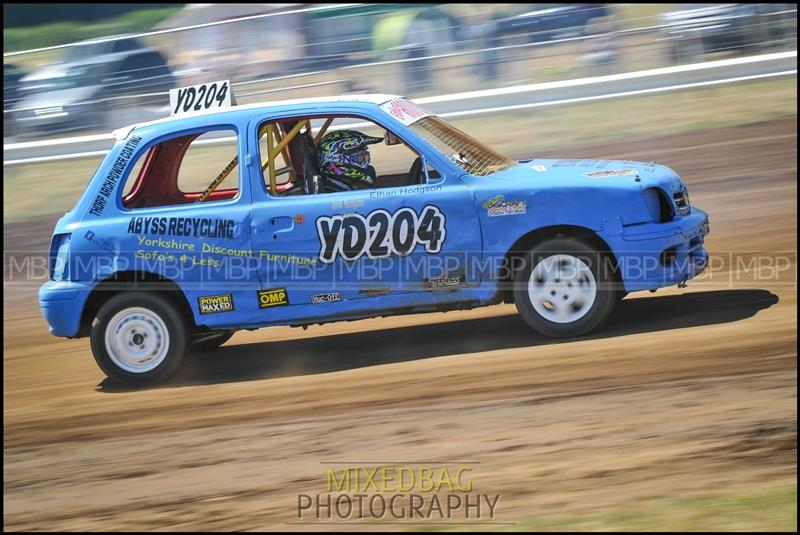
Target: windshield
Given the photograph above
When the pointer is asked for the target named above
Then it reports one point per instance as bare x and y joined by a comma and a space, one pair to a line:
81, 76
84, 51
468, 153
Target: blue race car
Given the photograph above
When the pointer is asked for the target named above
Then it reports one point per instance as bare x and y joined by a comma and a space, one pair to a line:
334, 209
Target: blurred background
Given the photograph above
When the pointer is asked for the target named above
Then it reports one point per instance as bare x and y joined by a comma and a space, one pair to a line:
91, 68
681, 414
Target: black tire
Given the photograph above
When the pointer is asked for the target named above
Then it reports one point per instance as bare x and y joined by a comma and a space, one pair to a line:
155, 308
605, 288
208, 342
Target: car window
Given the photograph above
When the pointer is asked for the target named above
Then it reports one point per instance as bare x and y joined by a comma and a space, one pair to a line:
191, 168
346, 150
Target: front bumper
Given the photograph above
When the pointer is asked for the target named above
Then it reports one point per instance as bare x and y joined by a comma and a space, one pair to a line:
62, 304
656, 255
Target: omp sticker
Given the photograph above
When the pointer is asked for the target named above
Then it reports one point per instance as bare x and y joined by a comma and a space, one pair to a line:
405, 111
272, 298
331, 297
211, 304
612, 172
380, 234
539, 168
200, 97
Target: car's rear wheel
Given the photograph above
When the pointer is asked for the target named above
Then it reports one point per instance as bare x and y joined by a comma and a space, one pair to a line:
565, 287
209, 341
139, 339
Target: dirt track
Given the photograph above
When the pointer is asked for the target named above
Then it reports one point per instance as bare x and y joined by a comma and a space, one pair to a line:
687, 391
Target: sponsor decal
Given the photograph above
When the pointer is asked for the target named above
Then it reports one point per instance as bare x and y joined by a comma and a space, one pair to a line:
405, 111
347, 204
374, 292
444, 282
326, 298
196, 227
299, 218
272, 298
92, 238
211, 304
498, 206
380, 234
612, 172
539, 168
110, 182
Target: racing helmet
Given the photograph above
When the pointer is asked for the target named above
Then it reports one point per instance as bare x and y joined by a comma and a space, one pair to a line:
344, 157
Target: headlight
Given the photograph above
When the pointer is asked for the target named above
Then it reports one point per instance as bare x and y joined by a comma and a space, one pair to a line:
681, 198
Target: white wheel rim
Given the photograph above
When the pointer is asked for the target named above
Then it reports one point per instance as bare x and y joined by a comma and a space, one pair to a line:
137, 340
562, 288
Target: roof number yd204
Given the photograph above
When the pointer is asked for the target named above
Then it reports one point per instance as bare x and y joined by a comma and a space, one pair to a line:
200, 97
380, 234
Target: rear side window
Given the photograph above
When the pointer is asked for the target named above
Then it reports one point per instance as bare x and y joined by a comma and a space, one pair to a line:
193, 168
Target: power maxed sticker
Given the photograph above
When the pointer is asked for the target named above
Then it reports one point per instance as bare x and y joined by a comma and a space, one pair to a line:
272, 298
380, 234
211, 304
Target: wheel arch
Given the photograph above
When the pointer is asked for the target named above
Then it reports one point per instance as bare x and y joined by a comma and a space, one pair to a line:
123, 281
526, 241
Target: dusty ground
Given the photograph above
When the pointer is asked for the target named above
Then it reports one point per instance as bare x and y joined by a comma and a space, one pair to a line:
684, 392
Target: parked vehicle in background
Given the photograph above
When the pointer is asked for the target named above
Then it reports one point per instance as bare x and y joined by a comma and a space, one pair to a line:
11, 94
77, 94
546, 22
694, 30
11, 77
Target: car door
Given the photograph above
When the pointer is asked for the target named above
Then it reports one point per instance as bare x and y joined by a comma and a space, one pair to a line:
357, 246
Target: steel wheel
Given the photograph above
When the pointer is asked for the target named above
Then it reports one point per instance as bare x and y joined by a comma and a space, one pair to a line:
562, 288
137, 340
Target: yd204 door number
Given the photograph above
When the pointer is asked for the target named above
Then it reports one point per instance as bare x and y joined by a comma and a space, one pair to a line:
380, 234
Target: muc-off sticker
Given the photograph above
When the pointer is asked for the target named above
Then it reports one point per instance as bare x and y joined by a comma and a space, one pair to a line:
210, 304
110, 182
331, 297
380, 234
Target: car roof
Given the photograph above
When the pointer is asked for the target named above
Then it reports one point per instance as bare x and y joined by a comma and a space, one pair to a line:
373, 98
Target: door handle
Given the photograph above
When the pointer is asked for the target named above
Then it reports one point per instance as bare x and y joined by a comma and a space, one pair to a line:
281, 224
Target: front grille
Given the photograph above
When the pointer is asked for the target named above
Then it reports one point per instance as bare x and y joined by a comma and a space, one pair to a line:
681, 199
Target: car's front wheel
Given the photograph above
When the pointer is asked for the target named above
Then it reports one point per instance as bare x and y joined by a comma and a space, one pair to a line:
565, 287
139, 339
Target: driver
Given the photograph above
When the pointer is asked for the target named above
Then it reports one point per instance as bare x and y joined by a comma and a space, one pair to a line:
344, 159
